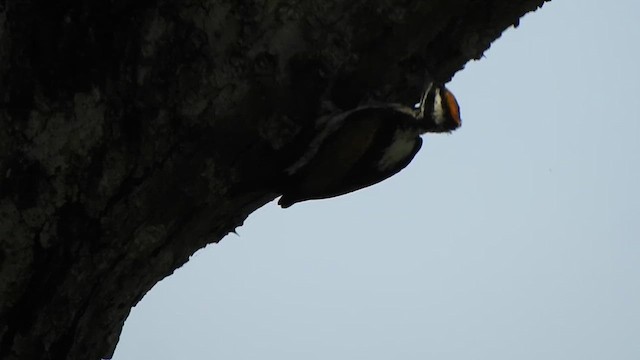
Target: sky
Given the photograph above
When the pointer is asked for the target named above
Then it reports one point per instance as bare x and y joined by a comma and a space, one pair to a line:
516, 237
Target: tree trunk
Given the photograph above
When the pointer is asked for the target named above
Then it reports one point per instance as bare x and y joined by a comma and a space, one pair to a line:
133, 133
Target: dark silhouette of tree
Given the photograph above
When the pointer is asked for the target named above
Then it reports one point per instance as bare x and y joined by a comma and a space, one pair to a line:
133, 133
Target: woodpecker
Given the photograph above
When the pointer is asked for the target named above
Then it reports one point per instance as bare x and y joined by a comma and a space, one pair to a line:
366, 145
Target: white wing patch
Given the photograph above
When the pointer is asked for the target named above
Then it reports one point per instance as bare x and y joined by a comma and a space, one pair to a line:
438, 110
401, 147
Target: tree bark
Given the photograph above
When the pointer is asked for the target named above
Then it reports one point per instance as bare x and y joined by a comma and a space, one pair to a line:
133, 133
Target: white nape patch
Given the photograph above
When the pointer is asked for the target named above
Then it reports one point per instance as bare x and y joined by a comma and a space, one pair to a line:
401, 146
420, 106
438, 110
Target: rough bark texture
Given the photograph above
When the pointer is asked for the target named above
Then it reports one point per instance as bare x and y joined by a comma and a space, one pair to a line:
133, 133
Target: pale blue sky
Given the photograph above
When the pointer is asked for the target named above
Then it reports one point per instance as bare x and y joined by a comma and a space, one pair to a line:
517, 237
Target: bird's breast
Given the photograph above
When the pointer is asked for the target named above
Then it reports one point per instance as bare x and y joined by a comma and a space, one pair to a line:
401, 146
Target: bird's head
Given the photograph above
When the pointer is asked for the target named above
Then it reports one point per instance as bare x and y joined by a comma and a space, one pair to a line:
439, 111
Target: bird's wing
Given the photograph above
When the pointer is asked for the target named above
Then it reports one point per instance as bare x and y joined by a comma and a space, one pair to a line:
338, 154
366, 174
346, 159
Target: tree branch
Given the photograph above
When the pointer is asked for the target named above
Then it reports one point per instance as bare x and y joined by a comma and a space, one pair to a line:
134, 133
